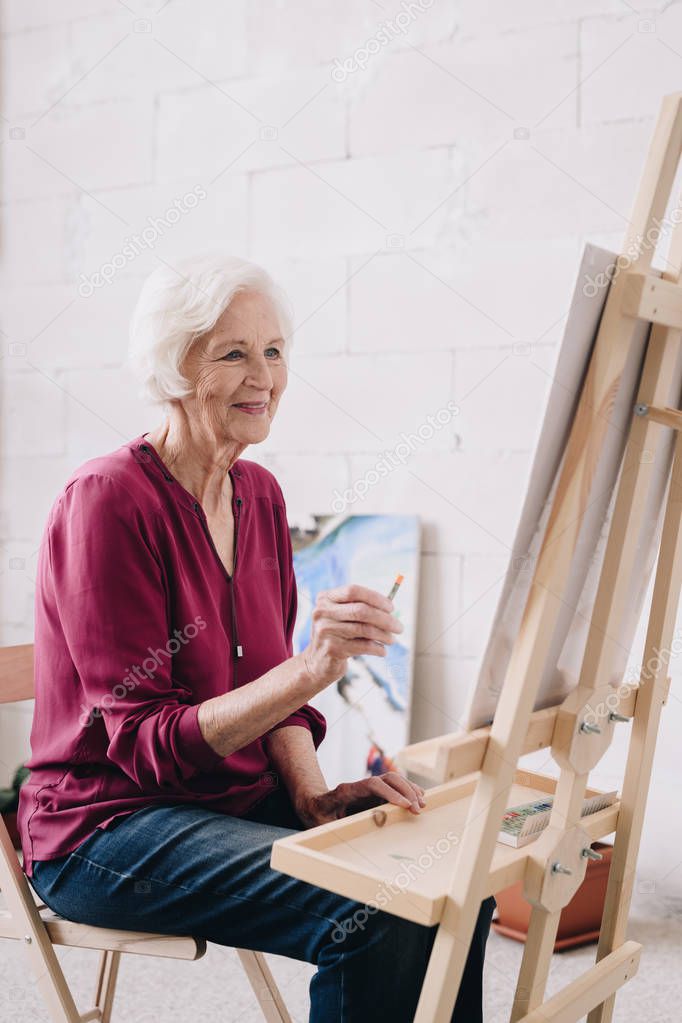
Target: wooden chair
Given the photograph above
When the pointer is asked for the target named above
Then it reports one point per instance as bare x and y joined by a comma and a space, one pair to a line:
27, 919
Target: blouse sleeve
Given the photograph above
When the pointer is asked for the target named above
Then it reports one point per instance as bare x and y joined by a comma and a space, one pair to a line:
306, 716
111, 598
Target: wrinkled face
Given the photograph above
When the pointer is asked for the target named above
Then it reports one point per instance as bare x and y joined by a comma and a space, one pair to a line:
238, 372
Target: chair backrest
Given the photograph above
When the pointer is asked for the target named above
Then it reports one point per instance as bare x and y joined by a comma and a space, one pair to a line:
16, 683
16, 673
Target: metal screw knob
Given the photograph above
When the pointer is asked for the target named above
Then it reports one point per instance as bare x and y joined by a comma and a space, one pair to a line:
585, 727
641, 409
592, 854
28, 939
617, 717
559, 868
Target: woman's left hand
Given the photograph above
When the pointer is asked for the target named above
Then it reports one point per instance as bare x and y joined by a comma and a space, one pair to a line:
350, 797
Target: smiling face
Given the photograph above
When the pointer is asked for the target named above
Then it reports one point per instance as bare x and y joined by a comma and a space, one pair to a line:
238, 372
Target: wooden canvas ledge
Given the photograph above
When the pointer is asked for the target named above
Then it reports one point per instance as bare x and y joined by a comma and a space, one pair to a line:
478, 772
451, 756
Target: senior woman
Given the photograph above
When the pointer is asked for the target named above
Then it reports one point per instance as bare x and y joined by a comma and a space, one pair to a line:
173, 740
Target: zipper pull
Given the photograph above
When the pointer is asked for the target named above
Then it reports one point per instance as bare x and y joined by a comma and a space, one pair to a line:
240, 650
236, 536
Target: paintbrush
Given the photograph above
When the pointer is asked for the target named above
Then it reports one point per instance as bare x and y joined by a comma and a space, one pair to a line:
396, 586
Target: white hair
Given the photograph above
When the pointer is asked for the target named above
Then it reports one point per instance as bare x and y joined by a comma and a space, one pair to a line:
177, 305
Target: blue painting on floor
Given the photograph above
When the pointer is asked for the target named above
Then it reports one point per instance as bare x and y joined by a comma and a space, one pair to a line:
368, 709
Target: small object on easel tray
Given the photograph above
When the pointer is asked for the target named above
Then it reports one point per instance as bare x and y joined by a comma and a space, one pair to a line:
521, 824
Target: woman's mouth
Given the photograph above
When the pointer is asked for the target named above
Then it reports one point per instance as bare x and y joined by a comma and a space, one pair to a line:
252, 408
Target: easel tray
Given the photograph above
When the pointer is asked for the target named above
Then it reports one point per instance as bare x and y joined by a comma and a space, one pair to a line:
402, 862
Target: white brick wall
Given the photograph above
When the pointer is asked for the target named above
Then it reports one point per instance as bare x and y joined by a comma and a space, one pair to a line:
428, 245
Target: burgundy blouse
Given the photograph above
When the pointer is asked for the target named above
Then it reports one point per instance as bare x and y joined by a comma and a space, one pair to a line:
137, 622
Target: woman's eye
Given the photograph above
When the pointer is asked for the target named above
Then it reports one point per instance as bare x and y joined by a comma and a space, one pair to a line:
239, 354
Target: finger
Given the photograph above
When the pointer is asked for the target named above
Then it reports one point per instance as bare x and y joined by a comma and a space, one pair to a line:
419, 792
340, 649
354, 647
402, 785
354, 592
414, 792
356, 613
400, 774
392, 795
349, 630
419, 795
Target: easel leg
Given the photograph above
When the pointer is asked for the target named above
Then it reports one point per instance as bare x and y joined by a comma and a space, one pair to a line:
650, 697
542, 930
537, 958
617, 332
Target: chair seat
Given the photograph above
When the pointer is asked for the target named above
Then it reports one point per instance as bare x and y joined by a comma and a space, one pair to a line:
66, 932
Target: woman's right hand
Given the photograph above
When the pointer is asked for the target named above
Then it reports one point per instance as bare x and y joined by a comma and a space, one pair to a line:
348, 621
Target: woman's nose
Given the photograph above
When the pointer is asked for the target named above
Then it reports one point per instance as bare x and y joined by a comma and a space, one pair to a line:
260, 375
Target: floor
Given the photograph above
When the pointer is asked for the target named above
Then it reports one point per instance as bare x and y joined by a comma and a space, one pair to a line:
214, 989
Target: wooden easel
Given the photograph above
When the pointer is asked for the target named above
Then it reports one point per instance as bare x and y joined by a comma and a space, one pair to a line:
478, 771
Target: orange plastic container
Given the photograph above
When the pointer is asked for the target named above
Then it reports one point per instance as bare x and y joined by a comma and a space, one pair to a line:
580, 919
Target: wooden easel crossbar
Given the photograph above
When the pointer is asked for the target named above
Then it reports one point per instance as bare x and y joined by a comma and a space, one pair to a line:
478, 772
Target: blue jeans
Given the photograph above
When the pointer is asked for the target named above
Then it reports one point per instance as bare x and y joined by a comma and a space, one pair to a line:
183, 869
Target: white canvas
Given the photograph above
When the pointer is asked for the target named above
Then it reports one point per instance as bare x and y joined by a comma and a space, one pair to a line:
562, 668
